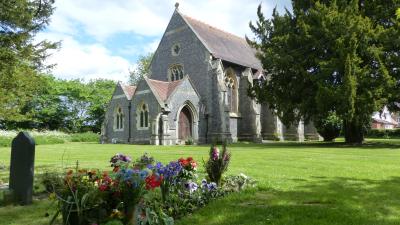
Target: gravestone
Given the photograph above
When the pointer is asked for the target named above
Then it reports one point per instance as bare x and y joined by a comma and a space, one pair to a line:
22, 168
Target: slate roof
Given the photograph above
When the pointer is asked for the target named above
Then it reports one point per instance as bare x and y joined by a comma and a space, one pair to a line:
164, 89
129, 91
224, 45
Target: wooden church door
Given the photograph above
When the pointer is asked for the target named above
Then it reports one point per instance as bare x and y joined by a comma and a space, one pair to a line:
185, 124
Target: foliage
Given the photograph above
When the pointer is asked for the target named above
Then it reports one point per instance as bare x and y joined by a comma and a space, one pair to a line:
21, 55
144, 161
238, 183
49, 137
189, 141
79, 196
83, 137
141, 70
169, 174
217, 163
68, 105
398, 13
383, 133
329, 56
329, 128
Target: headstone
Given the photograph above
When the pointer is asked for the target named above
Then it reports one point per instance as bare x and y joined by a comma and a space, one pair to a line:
22, 168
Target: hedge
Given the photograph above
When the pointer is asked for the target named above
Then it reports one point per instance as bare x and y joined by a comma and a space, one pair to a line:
382, 133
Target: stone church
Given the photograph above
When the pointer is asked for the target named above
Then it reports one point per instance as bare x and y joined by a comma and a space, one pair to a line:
196, 90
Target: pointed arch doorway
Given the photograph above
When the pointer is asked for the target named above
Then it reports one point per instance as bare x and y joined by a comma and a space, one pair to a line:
185, 124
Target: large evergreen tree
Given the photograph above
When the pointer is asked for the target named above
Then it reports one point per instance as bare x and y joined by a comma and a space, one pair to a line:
21, 57
328, 56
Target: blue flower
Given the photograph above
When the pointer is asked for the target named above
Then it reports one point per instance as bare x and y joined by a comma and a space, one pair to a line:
143, 174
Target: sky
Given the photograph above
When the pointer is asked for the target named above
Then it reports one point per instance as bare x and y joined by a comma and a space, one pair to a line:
104, 38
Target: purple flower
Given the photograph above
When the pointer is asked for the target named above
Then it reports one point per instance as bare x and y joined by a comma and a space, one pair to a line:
212, 186
191, 186
169, 171
208, 186
119, 158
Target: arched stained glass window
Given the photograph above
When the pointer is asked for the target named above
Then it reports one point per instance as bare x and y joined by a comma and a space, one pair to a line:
143, 116
175, 72
230, 81
118, 119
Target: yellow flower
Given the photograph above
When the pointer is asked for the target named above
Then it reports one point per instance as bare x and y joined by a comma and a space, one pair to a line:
116, 214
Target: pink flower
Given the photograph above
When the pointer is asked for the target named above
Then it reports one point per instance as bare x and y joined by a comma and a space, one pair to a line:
215, 153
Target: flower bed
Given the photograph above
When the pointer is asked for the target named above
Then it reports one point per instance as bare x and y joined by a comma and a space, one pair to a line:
142, 191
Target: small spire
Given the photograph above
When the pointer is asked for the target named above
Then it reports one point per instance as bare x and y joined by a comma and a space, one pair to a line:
177, 5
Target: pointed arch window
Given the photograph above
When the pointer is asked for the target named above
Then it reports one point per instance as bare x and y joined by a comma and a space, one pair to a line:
119, 119
175, 72
143, 116
231, 84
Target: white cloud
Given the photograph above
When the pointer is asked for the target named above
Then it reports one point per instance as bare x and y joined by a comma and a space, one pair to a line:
86, 61
99, 20
102, 19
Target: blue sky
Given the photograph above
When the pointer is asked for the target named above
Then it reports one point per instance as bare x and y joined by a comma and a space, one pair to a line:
104, 38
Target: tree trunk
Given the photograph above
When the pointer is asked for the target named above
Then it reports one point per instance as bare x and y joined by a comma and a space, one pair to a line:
353, 132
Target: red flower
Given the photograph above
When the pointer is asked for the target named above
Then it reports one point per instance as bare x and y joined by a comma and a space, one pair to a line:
153, 181
103, 187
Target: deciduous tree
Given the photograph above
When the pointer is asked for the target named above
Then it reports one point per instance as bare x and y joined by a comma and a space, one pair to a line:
141, 70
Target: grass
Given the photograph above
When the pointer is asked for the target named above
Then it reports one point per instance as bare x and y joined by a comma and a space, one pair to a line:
49, 137
311, 183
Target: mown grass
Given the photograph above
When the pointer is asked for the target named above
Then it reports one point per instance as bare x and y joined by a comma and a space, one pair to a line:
310, 183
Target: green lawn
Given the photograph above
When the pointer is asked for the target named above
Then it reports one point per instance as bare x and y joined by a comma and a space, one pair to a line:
312, 183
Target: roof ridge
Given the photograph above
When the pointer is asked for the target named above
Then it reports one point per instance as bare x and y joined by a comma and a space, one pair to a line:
166, 82
215, 28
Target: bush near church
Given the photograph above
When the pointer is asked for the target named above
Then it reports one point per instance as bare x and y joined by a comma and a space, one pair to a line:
330, 127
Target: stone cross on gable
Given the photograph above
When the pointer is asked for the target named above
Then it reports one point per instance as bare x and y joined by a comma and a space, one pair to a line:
22, 168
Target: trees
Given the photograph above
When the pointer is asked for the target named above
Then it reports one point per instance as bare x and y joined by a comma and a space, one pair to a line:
68, 105
329, 56
141, 70
21, 57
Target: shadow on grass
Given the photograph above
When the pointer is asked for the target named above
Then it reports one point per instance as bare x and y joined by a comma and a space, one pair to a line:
322, 201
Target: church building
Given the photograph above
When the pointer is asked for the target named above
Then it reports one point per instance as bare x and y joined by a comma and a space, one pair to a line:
196, 91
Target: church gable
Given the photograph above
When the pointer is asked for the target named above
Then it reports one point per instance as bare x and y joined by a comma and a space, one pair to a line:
180, 52
183, 89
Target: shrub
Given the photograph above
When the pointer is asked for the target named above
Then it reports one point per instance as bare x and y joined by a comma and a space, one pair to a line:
189, 141
217, 163
382, 133
329, 127
84, 137
238, 183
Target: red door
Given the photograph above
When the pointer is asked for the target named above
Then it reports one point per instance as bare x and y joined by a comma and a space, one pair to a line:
185, 124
